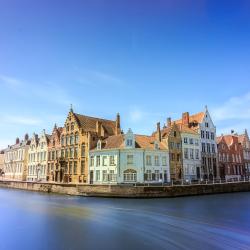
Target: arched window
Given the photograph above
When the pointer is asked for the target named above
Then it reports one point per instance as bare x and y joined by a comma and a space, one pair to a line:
130, 175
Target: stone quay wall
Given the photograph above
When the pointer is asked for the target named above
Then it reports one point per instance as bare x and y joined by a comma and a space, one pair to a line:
127, 191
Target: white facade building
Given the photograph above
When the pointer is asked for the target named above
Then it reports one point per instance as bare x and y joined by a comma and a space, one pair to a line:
15, 160
129, 158
202, 123
38, 157
191, 150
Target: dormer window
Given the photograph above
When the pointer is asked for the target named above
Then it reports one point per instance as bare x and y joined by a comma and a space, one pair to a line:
156, 146
129, 143
99, 145
129, 139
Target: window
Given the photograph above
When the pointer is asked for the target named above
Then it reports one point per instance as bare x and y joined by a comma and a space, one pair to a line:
97, 175
71, 152
67, 140
185, 140
72, 126
202, 134
172, 157
83, 150
104, 160
191, 153
53, 155
178, 145
111, 160
91, 161
148, 160
99, 145
66, 153
175, 133
157, 175
148, 176
207, 135
191, 141
208, 147
178, 157
75, 167
171, 145
186, 153
104, 175
130, 175
70, 167
112, 176
213, 148
98, 160
206, 124
203, 147
129, 142
71, 139
130, 159
76, 138
164, 161
82, 166
196, 142
212, 136
157, 162
197, 154
76, 152
67, 128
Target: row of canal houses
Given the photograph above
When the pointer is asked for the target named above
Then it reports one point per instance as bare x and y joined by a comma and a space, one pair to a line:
96, 151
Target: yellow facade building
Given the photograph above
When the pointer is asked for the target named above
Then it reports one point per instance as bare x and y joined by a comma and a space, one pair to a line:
79, 135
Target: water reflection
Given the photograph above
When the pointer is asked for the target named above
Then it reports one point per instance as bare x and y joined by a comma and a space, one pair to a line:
41, 221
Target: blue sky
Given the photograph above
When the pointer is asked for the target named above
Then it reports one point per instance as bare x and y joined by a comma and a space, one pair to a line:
145, 59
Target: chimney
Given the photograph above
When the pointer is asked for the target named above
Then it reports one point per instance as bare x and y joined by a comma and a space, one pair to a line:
158, 133
98, 128
185, 118
117, 125
17, 140
26, 137
169, 122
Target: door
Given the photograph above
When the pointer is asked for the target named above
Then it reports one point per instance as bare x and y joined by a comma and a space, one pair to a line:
198, 172
91, 177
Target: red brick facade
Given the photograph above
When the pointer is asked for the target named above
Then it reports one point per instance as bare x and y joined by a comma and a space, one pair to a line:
230, 156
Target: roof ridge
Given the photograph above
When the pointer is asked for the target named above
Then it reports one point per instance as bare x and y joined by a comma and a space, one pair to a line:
92, 117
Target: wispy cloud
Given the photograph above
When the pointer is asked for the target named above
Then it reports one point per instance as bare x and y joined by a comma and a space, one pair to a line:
21, 120
237, 107
97, 78
233, 114
10, 82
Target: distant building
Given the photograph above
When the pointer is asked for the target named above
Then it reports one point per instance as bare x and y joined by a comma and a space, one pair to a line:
129, 158
1, 162
54, 172
38, 157
80, 134
202, 123
16, 160
230, 156
245, 142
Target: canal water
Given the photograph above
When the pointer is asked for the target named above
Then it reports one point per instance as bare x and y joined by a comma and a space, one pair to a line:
30, 220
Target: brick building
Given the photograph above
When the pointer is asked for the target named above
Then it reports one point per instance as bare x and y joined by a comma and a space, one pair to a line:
230, 157
80, 134
54, 154
245, 142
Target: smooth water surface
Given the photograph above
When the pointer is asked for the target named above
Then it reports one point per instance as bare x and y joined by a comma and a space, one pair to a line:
32, 220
